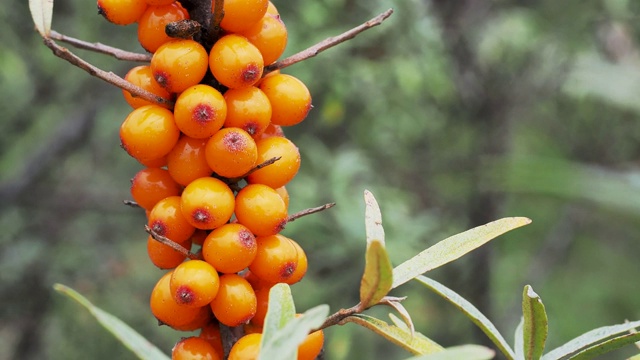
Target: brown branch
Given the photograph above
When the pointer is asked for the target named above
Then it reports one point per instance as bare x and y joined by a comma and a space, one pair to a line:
310, 211
109, 77
131, 203
101, 48
336, 318
170, 243
256, 168
328, 43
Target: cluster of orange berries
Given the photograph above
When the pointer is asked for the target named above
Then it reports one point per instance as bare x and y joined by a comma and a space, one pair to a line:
217, 163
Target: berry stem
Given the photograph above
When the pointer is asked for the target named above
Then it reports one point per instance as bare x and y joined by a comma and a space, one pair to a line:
256, 168
101, 48
170, 243
328, 43
131, 203
309, 211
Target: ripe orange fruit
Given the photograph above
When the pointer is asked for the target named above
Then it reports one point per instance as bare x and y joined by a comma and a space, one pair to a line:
235, 303
194, 283
179, 64
200, 111
290, 99
149, 133
152, 23
241, 14
122, 12
235, 62
207, 203
194, 348
231, 152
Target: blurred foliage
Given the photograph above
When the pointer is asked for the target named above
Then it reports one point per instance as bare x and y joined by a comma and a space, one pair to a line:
453, 113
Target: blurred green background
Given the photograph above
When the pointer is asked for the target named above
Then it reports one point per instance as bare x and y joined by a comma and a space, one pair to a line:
453, 113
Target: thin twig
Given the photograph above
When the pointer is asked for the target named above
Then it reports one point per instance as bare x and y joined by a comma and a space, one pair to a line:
310, 211
170, 243
101, 48
328, 43
109, 77
256, 168
131, 203
336, 318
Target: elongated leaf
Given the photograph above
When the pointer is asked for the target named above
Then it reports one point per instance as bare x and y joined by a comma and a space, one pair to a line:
634, 357
376, 280
281, 310
607, 346
42, 12
590, 339
453, 247
127, 336
372, 218
519, 342
406, 323
417, 344
471, 312
283, 343
466, 352
535, 327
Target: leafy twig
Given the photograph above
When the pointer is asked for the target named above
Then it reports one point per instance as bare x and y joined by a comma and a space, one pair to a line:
100, 48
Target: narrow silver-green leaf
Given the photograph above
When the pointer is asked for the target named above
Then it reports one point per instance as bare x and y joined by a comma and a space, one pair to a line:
590, 339
471, 312
406, 323
518, 340
283, 343
607, 346
453, 247
372, 218
41, 13
466, 352
125, 334
417, 344
281, 310
535, 326
377, 279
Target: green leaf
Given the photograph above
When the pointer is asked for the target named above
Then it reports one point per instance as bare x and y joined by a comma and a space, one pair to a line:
607, 346
519, 341
41, 13
590, 339
471, 312
281, 310
377, 279
535, 326
406, 323
127, 336
283, 343
634, 357
372, 218
466, 352
453, 247
417, 344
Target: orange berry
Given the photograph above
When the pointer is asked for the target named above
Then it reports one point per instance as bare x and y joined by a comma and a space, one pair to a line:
149, 132
235, 62
230, 248
282, 171
290, 99
152, 23
271, 131
207, 203
241, 14
142, 76
160, 2
311, 347
301, 269
211, 333
248, 109
179, 64
231, 152
151, 185
167, 219
187, 160
252, 329
200, 111
122, 12
261, 210
246, 348
164, 256
284, 194
262, 305
198, 237
269, 35
154, 163
256, 282
276, 260
235, 303
166, 310
194, 283
194, 348
203, 318
271, 9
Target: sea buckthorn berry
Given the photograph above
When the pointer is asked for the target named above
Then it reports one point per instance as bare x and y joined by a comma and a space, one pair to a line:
122, 12
211, 333
152, 23
200, 111
143, 77
167, 219
301, 269
269, 35
149, 132
235, 62
179, 64
276, 260
231, 152
151, 185
261, 210
154, 163
271, 131
241, 14
246, 348
290, 99
166, 310
198, 237
194, 348
235, 303
280, 172
284, 194
262, 305
207, 203
256, 282
248, 109
187, 160
194, 283
230, 248
272, 10
203, 318
163, 256
311, 347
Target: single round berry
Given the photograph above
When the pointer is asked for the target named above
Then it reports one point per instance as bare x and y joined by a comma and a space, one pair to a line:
283, 170
231, 152
151, 24
194, 348
235, 303
167, 219
241, 14
311, 347
246, 348
284, 194
179, 64
166, 310
235, 62
248, 109
122, 12
261, 209
207, 203
151, 185
301, 269
194, 283
269, 35
290, 99
149, 132
276, 260
211, 333
187, 160
142, 76
200, 111
230, 248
